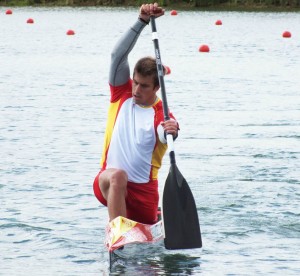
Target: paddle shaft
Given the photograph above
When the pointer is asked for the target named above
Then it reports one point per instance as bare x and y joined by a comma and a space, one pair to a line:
160, 72
180, 218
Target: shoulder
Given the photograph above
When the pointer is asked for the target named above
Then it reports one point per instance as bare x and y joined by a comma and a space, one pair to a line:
158, 107
117, 92
159, 110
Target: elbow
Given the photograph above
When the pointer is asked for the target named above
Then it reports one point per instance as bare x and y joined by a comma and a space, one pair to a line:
113, 54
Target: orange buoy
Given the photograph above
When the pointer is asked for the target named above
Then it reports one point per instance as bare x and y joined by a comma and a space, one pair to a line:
167, 70
30, 21
70, 32
204, 48
8, 12
286, 34
218, 22
173, 12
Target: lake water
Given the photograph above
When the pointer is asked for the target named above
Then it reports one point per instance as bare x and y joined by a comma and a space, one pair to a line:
239, 145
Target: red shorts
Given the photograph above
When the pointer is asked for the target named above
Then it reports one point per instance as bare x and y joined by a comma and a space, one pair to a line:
141, 200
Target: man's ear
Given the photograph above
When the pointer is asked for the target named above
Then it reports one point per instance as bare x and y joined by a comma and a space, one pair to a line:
156, 88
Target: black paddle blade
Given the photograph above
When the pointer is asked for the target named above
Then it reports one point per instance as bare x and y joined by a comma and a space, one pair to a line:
182, 228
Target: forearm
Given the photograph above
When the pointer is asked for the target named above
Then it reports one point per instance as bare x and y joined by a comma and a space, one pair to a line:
119, 68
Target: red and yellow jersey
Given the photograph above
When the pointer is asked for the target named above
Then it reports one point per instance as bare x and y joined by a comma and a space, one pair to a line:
131, 140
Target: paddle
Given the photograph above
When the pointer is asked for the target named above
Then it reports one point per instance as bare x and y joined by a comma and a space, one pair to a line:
182, 229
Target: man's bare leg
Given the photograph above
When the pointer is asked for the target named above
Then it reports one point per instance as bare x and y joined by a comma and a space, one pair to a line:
113, 185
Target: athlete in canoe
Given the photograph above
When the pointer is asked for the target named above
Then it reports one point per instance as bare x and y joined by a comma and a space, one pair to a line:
134, 142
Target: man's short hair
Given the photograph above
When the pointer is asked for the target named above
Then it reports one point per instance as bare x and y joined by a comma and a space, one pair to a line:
147, 67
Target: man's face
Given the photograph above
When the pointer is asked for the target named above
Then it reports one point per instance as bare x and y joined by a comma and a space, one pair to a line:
143, 89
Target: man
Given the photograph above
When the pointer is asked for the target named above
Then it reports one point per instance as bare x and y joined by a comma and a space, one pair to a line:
134, 142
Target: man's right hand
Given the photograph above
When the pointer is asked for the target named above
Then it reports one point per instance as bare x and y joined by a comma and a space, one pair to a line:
146, 10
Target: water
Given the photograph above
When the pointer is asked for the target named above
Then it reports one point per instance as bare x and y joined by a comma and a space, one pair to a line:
239, 113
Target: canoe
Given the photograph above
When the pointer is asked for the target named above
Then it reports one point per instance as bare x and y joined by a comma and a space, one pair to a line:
121, 231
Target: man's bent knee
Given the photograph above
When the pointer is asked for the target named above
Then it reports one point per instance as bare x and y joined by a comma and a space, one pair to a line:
111, 179
118, 178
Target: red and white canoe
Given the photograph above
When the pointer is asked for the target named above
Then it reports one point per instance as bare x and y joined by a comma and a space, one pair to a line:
121, 231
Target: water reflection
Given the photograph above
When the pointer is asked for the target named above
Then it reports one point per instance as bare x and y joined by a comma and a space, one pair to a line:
153, 260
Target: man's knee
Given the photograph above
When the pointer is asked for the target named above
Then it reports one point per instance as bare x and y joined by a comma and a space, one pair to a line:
119, 179
112, 180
